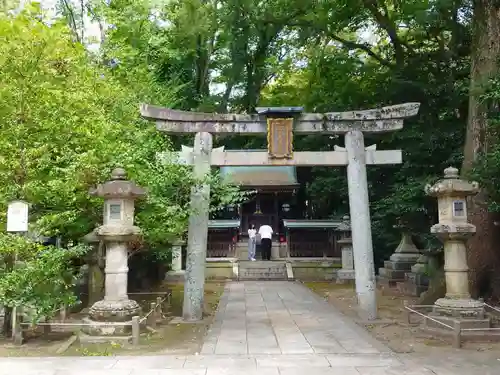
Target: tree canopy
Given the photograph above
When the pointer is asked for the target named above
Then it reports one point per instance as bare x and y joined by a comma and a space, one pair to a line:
71, 113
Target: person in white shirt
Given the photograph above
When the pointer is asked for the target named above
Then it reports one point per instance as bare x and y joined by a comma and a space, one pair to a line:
266, 235
252, 242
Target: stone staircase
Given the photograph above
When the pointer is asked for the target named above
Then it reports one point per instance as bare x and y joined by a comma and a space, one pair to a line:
262, 270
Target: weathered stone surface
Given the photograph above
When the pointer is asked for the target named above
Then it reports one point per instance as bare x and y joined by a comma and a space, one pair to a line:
113, 233
372, 120
280, 317
360, 224
465, 308
404, 257
262, 270
300, 158
452, 184
453, 230
347, 272
197, 233
114, 311
176, 273
118, 229
118, 187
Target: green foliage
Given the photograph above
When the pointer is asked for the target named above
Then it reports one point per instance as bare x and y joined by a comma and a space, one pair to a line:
67, 121
221, 55
40, 279
233, 55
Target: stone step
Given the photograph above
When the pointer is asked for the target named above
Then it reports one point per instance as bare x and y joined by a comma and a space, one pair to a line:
399, 266
409, 288
393, 275
262, 270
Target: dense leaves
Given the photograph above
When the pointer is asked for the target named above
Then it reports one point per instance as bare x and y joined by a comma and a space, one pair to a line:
67, 119
39, 278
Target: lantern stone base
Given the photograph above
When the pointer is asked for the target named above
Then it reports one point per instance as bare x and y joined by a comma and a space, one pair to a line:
414, 285
395, 269
457, 313
175, 276
111, 312
401, 262
459, 308
345, 276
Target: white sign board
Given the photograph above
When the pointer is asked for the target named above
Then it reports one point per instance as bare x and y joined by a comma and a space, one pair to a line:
17, 217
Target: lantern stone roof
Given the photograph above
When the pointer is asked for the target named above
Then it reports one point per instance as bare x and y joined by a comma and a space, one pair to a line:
118, 187
91, 237
452, 184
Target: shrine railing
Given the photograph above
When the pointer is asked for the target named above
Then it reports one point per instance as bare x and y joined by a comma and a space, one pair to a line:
223, 249
157, 313
312, 250
456, 331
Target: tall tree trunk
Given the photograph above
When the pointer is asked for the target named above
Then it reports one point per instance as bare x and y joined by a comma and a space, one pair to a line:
482, 249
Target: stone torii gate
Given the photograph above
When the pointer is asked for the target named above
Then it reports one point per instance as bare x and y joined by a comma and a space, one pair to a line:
280, 124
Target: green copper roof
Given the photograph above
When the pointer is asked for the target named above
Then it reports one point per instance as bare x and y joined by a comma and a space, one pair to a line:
223, 224
311, 224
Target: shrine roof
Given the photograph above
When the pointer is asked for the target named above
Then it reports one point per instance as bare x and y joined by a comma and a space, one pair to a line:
313, 224
222, 224
253, 176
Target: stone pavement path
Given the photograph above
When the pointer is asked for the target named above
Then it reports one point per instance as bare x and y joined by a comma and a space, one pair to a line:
280, 317
268, 328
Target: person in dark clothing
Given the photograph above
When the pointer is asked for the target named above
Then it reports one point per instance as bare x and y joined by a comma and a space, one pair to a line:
266, 235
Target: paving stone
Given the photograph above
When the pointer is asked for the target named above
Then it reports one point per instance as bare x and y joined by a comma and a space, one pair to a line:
318, 371
270, 328
172, 371
220, 361
52, 364
283, 314
394, 370
339, 360
292, 361
246, 371
332, 348
94, 372
150, 362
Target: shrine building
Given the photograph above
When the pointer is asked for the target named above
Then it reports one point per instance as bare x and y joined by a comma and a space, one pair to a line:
274, 201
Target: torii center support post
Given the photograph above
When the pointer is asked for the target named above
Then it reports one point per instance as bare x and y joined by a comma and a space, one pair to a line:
194, 284
360, 224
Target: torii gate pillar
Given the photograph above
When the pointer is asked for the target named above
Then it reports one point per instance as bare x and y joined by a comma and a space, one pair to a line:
360, 224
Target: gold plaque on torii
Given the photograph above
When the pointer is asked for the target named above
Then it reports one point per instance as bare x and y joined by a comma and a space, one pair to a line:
280, 138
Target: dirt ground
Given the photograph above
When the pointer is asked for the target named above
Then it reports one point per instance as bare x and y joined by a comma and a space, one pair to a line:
169, 338
393, 328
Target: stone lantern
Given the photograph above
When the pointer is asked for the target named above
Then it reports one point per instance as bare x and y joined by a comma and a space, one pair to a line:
95, 262
176, 273
346, 273
400, 262
454, 230
117, 231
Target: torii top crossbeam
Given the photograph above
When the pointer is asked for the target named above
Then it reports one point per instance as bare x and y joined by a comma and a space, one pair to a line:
379, 120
